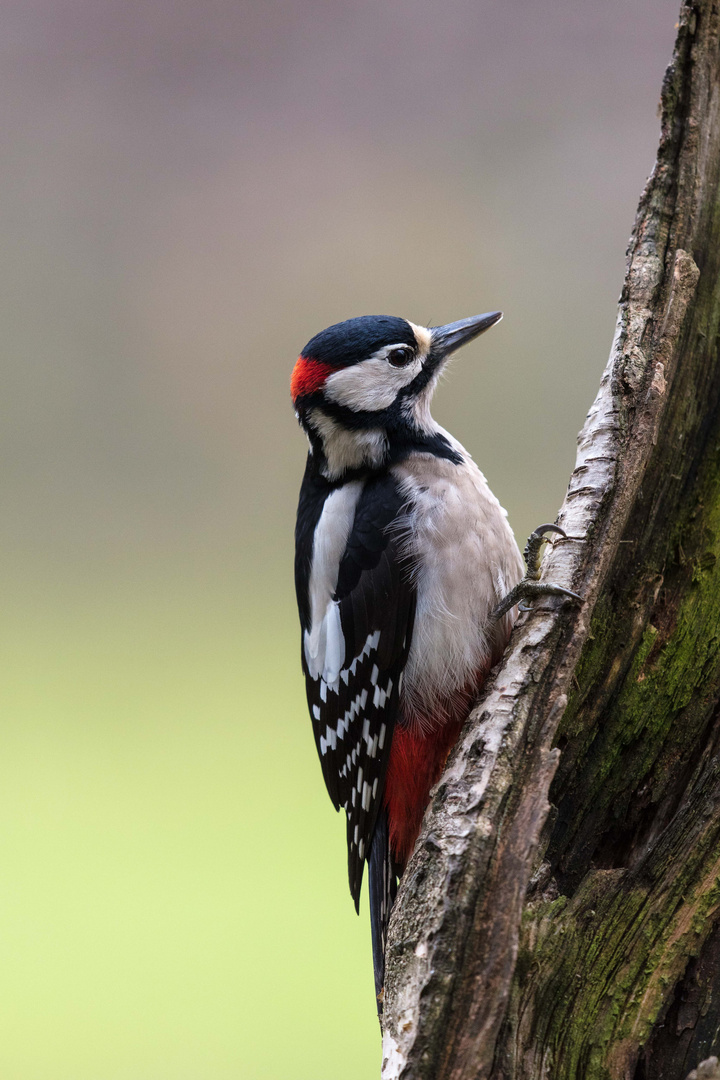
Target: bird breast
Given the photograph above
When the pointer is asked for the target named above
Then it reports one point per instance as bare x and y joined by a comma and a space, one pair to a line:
466, 559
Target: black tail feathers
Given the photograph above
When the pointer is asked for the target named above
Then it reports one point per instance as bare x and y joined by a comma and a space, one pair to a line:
382, 875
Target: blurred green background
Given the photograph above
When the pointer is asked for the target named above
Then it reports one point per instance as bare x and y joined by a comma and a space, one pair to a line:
189, 192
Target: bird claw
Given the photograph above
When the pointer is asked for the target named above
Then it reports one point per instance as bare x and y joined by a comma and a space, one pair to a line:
531, 554
531, 587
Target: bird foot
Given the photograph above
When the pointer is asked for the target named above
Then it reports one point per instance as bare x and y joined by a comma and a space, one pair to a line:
531, 587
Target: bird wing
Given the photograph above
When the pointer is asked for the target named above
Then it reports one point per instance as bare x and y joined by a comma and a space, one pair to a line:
353, 697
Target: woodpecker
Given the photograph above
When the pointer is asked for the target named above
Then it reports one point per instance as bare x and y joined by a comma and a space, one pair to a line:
407, 576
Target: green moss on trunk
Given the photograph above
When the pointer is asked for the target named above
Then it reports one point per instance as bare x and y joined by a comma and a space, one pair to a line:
626, 907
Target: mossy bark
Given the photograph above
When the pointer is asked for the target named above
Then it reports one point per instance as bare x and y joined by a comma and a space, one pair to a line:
560, 918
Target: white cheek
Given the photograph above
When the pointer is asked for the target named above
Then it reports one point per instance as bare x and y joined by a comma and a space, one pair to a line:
369, 386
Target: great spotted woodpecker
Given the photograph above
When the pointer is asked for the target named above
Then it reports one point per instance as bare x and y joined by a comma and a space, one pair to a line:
407, 577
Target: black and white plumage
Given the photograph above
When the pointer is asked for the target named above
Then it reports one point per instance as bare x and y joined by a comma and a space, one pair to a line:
402, 553
355, 645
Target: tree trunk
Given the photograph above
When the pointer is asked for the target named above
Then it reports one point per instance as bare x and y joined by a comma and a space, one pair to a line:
560, 917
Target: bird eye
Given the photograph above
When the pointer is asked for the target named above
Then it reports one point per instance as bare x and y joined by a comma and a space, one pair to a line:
400, 357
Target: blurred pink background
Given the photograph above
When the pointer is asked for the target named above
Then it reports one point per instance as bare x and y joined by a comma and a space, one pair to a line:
189, 192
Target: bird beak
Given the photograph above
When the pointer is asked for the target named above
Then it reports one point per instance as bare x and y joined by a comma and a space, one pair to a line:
446, 339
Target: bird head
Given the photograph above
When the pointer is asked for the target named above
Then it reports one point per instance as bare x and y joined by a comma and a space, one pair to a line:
362, 388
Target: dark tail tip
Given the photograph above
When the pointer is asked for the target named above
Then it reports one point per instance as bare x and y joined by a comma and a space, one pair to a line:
382, 881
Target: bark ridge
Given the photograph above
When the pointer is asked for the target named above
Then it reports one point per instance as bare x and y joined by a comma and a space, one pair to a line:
560, 917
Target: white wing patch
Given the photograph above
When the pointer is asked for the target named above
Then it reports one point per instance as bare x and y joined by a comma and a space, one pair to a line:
324, 642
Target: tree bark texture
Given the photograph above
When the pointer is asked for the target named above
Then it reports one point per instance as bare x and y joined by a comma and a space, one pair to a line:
560, 917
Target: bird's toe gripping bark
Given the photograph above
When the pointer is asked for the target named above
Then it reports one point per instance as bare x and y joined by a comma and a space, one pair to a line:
531, 587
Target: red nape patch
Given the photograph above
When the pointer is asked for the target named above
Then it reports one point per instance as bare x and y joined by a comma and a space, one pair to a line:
308, 375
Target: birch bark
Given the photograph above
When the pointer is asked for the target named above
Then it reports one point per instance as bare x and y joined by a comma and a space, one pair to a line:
560, 917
